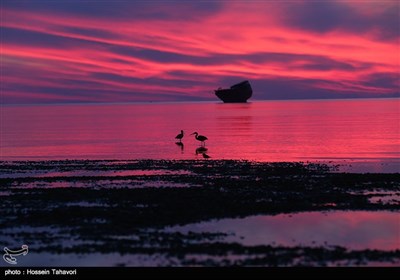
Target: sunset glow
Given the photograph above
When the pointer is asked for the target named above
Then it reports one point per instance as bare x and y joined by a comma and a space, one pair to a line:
119, 51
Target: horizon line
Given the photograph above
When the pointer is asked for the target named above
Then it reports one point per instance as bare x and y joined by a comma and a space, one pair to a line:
192, 101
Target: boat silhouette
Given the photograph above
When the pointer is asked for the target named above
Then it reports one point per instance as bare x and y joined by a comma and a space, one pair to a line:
238, 93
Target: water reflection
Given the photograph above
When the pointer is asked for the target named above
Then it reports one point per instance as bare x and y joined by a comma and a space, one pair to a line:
201, 150
356, 230
263, 131
205, 156
241, 124
181, 146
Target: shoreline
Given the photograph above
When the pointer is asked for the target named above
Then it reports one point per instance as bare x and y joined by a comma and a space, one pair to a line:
355, 165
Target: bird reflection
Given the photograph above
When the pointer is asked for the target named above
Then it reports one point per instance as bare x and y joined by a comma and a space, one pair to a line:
205, 156
180, 144
201, 150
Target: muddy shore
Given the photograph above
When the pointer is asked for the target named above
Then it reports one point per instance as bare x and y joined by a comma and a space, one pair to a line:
83, 207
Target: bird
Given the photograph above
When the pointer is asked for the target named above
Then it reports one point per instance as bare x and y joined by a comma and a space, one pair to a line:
200, 138
179, 136
205, 155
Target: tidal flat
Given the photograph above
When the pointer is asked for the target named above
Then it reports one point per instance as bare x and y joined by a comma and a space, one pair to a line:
198, 213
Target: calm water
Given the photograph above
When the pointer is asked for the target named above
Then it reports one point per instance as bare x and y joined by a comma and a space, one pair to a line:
360, 131
356, 230
362, 134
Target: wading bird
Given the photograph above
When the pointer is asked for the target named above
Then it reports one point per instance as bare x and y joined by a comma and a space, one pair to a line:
179, 136
200, 138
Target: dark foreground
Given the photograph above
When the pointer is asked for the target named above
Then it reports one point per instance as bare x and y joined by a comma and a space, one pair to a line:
120, 213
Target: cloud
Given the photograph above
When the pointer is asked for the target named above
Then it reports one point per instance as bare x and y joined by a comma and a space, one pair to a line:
119, 10
387, 81
380, 18
30, 38
74, 51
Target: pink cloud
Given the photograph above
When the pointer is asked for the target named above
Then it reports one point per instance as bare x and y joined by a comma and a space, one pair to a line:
147, 54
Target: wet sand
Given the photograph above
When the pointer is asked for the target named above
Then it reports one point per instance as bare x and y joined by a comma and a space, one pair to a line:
120, 213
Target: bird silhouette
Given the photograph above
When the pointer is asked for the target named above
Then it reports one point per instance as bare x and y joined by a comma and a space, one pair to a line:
200, 138
179, 136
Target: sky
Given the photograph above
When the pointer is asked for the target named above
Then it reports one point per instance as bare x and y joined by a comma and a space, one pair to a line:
57, 51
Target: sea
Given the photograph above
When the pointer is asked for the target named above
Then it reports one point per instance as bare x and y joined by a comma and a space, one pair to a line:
357, 135
362, 133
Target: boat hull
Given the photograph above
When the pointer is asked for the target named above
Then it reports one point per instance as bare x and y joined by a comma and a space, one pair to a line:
238, 93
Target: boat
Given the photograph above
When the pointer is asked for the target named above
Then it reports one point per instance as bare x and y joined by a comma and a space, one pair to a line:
238, 93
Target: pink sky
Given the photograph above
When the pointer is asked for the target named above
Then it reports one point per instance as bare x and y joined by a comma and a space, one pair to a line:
124, 51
